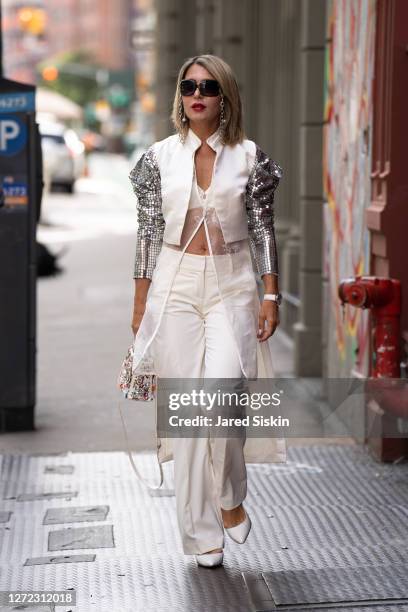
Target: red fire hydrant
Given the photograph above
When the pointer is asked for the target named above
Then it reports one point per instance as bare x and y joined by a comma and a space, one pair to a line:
383, 297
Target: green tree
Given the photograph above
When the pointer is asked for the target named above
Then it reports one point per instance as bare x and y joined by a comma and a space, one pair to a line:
75, 76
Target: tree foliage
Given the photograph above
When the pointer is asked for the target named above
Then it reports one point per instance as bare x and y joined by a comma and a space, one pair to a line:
77, 76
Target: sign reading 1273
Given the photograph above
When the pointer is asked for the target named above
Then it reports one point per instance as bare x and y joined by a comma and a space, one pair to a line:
13, 134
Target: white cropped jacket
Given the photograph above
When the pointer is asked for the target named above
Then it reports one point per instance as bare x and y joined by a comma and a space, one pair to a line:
245, 179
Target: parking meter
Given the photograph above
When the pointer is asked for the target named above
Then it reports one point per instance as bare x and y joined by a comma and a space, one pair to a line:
19, 211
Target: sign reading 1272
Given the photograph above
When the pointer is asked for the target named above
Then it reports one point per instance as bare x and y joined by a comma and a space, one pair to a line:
13, 134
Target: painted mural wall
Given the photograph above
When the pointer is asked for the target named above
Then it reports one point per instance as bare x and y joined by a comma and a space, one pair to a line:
346, 175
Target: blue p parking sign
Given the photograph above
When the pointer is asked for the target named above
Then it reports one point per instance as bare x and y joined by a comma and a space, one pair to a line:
13, 135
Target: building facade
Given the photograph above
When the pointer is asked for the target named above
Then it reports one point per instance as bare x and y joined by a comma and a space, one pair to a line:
277, 50
40, 29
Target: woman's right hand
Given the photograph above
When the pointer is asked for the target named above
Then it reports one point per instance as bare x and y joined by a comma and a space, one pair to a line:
138, 313
139, 303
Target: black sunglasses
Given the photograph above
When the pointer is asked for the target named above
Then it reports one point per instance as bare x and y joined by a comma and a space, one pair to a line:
207, 87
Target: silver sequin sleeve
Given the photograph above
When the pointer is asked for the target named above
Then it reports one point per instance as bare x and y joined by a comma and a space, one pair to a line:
146, 183
259, 200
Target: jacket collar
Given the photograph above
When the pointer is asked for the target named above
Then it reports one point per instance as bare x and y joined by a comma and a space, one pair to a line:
194, 142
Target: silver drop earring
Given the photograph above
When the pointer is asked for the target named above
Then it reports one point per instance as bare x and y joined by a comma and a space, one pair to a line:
222, 113
183, 120
182, 116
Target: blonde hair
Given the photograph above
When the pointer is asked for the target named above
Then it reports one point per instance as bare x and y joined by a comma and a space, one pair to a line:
232, 131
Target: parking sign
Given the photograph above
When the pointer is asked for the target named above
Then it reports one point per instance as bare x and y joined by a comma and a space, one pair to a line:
13, 134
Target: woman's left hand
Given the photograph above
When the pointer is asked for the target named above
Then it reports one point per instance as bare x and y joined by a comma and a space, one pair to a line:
269, 314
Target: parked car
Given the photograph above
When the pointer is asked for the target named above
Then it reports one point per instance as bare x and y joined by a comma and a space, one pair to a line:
63, 155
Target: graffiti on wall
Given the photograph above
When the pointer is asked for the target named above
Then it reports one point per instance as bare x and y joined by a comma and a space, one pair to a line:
347, 164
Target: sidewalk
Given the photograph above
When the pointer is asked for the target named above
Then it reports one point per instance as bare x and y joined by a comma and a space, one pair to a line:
329, 525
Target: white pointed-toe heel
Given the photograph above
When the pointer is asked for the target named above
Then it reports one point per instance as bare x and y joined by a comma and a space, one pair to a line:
240, 532
210, 559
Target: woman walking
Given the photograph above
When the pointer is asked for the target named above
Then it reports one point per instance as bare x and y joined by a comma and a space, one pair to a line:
205, 204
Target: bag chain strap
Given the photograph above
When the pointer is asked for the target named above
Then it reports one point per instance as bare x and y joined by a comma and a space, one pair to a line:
129, 452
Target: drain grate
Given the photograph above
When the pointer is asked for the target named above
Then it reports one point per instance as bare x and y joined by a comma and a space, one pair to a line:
59, 469
161, 493
81, 537
325, 588
77, 514
5, 516
60, 559
23, 497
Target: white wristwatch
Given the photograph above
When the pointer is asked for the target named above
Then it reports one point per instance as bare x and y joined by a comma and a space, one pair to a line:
274, 297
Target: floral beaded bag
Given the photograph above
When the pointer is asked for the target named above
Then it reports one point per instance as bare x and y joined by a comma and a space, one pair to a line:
139, 386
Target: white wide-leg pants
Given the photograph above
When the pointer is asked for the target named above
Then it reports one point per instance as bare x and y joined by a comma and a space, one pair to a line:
194, 340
